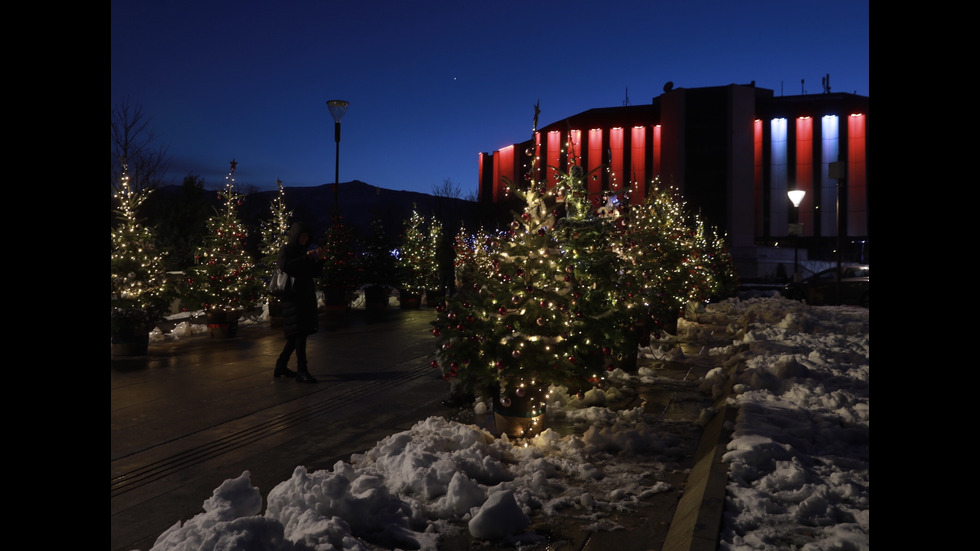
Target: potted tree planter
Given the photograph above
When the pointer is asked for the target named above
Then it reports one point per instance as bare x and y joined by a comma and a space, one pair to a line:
376, 301
129, 331
409, 300
336, 305
222, 324
520, 413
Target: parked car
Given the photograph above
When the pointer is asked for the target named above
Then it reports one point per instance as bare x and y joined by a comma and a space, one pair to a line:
821, 287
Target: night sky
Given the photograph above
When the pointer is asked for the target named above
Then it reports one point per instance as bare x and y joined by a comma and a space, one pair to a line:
431, 84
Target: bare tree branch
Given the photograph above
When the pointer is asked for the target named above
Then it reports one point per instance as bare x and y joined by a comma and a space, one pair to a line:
133, 141
448, 189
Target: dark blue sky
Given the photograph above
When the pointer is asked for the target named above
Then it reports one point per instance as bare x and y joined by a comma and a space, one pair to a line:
431, 84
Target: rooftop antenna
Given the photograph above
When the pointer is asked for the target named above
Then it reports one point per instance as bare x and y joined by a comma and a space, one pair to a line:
627, 100
826, 83
802, 88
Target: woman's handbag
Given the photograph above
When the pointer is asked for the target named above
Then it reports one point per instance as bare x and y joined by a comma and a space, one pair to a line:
281, 284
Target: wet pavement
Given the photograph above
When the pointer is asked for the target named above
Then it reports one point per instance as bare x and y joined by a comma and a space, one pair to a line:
197, 411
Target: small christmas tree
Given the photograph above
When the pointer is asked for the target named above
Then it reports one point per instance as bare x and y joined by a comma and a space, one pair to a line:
275, 230
722, 266
225, 275
139, 291
671, 261
342, 268
378, 266
416, 258
434, 260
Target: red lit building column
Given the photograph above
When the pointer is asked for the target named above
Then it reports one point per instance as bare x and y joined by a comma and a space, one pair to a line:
504, 173
657, 137
857, 183
804, 171
593, 174
638, 159
537, 169
757, 186
554, 158
617, 178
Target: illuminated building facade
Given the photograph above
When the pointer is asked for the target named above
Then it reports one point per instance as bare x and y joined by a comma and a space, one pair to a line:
732, 152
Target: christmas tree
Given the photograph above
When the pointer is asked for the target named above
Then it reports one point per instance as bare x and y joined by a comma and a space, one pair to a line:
378, 261
540, 309
721, 265
415, 262
432, 269
671, 259
137, 272
275, 230
225, 275
569, 292
342, 268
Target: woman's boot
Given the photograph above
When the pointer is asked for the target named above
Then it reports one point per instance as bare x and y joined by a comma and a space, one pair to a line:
282, 370
303, 375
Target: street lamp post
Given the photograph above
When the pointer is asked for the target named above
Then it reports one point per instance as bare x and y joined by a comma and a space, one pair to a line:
796, 197
337, 109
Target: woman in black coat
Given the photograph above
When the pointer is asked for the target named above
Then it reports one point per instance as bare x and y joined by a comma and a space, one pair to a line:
299, 307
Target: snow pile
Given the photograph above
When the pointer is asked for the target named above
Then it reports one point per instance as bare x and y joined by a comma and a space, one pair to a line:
798, 457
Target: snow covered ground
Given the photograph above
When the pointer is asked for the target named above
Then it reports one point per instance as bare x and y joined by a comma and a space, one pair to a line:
798, 458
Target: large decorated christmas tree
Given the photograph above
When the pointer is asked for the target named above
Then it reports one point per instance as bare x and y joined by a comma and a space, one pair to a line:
541, 309
225, 277
570, 291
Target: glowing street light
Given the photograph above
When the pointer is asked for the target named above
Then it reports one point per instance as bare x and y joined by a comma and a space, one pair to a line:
796, 197
337, 109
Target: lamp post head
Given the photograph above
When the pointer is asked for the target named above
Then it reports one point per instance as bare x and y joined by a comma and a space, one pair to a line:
337, 108
796, 196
